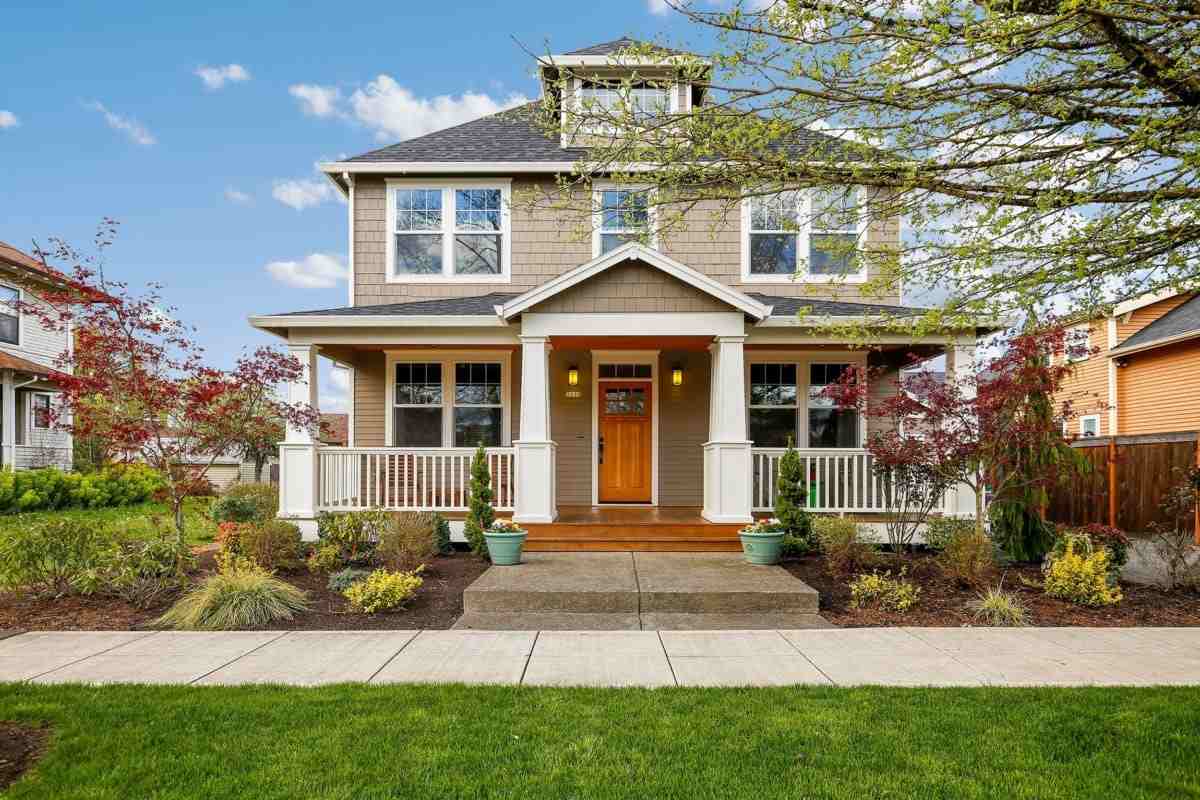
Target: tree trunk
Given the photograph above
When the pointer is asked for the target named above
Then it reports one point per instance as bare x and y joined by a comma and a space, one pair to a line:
979, 526
177, 503
259, 462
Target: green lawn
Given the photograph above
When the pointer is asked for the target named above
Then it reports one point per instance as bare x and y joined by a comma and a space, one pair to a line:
199, 528
453, 742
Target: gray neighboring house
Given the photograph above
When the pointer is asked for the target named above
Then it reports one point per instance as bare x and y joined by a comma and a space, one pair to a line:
27, 355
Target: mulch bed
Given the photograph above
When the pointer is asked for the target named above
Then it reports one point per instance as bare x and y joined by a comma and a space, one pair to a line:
20, 747
944, 603
438, 604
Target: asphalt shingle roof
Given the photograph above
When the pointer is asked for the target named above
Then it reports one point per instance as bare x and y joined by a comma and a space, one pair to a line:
484, 305
1180, 320
624, 43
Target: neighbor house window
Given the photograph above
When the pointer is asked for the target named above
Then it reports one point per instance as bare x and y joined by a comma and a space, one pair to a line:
624, 216
1078, 344
773, 404
418, 401
1089, 425
40, 406
478, 399
615, 100
449, 232
10, 315
828, 425
811, 234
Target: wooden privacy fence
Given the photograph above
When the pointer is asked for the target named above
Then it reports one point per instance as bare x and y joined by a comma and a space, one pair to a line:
1128, 479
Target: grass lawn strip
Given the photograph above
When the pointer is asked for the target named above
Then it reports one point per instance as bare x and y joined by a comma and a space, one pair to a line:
457, 742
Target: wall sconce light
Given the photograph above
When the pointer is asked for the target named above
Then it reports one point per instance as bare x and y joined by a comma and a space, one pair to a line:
677, 375
572, 375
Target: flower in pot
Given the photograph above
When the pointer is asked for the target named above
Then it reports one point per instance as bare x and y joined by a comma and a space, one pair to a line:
762, 541
505, 539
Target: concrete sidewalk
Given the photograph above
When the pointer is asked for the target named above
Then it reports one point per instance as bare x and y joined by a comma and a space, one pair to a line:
846, 656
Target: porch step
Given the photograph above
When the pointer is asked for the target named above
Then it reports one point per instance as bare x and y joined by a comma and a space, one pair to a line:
638, 583
642, 544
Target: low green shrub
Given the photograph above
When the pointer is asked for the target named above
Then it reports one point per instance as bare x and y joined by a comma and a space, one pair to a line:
324, 558
999, 608
967, 556
842, 543
343, 579
240, 595
54, 557
50, 489
383, 590
1092, 536
939, 530
274, 545
1081, 574
408, 542
354, 533
246, 502
883, 592
441, 534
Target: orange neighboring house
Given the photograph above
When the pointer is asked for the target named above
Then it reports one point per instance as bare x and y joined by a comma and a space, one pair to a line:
1137, 369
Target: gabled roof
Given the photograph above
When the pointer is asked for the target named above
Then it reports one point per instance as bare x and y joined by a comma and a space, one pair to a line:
791, 306
634, 251
12, 257
1178, 324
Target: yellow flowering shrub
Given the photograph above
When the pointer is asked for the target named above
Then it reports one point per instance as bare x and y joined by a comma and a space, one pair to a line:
883, 592
1081, 577
383, 590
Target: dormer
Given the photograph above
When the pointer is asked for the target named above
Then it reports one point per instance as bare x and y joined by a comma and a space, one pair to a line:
620, 78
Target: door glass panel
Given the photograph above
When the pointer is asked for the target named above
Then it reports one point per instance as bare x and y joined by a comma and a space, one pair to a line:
625, 401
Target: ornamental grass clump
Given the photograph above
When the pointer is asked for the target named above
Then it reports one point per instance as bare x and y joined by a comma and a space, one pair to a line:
883, 592
1082, 577
383, 590
999, 608
241, 595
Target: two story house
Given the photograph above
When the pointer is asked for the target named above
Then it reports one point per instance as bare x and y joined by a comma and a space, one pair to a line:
634, 388
1136, 369
28, 350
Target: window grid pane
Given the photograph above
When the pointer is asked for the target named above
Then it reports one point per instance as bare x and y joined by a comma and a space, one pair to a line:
773, 385
624, 210
418, 384
828, 425
477, 384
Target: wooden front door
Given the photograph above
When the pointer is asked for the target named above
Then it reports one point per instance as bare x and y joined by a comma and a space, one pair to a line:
625, 448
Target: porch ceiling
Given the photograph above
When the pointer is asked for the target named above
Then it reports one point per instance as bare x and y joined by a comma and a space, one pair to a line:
696, 343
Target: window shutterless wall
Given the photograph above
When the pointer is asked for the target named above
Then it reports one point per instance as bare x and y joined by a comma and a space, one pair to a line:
448, 360
802, 360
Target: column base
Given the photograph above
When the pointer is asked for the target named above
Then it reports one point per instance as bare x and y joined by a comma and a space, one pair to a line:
728, 474
537, 496
307, 526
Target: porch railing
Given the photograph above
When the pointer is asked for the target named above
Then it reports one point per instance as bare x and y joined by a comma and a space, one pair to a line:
839, 480
409, 479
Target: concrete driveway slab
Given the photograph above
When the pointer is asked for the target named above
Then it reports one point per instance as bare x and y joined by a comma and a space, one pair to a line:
586, 644
717, 583
32, 654
986, 641
854, 668
724, 621
712, 644
765, 670
1036, 668
461, 656
572, 582
546, 621
312, 658
600, 669
867, 641
170, 657
1121, 640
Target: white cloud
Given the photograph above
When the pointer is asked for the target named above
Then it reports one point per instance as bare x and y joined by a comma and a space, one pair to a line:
303, 193
314, 271
394, 112
130, 127
316, 101
335, 391
658, 7
8, 120
237, 197
217, 77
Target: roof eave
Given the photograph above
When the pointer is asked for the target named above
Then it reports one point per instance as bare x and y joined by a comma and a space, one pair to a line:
271, 322
1121, 351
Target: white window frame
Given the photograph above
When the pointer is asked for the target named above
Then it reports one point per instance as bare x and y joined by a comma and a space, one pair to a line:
448, 359
448, 187
803, 233
598, 188
802, 360
795, 407
678, 102
32, 411
1083, 422
600, 357
1072, 341
17, 313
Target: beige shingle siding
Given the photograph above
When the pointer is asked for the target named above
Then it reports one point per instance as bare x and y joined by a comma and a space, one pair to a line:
548, 242
370, 398
682, 428
631, 288
571, 426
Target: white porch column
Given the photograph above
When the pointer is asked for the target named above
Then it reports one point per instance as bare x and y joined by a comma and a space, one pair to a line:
537, 499
8, 423
960, 368
298, 466
727, 464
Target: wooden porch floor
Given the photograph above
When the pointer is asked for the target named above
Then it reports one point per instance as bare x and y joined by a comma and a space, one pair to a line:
607, 528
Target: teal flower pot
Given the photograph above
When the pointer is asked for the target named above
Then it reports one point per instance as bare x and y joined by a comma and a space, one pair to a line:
505, 548
762, 549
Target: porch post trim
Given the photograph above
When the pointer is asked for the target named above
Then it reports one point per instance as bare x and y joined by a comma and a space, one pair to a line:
536, 453
727, 458
960, 364
298, 453
8, 451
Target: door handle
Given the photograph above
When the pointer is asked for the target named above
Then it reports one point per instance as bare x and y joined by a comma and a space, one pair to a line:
600, 456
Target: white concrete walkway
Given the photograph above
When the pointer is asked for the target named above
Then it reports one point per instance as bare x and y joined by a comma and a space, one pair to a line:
847, 656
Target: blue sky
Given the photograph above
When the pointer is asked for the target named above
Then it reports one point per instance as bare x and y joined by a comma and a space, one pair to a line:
198, 127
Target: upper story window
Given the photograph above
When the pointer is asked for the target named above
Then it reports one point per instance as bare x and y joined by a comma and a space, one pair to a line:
10, 315
616, 100
623, 215
1089, 425
811, 235
1078, 344
449, 231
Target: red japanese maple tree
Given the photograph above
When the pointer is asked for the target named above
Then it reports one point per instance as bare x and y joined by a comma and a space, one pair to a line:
995, 428
135, 378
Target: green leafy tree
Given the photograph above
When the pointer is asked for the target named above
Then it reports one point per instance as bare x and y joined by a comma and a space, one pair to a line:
1034, 148
480, 513
791, 496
